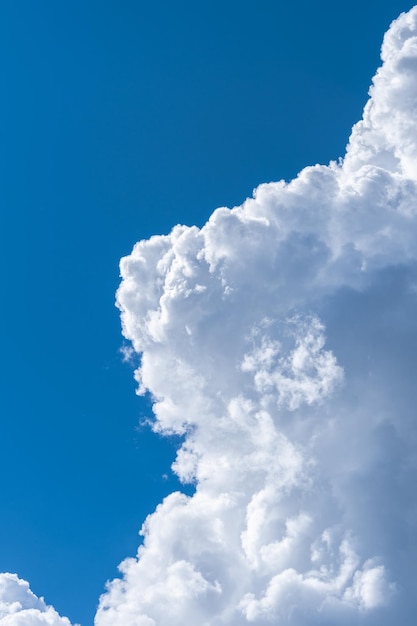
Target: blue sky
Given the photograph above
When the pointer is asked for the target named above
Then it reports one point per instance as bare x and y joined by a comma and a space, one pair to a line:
120, 120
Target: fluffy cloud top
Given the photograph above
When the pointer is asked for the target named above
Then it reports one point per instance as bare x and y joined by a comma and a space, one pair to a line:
20, 607
277, 340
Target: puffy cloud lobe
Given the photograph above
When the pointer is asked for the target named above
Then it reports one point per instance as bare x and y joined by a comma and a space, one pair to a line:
300, 446
20, 607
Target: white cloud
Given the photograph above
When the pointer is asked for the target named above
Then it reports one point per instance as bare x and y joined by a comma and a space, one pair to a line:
20, 607
279, 340
299, 445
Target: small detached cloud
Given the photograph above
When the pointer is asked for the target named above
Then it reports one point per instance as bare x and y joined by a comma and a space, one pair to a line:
20, 607
279, 341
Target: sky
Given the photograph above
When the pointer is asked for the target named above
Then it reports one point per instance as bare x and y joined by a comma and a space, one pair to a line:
286, 327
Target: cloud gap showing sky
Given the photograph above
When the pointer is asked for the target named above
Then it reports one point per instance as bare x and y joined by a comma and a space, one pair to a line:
278, 341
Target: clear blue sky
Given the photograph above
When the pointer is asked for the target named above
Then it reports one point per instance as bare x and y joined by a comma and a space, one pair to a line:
119, 120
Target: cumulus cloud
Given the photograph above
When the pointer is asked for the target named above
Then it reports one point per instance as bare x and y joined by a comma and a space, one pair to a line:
20, 607
278, 341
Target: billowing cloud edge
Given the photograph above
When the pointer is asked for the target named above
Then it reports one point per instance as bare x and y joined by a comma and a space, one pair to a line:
231, 322
19, 606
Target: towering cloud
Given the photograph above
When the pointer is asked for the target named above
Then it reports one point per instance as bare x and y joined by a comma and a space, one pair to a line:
279, 342
20, 607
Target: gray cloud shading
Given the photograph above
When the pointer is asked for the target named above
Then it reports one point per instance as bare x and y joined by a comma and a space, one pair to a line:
278, 340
